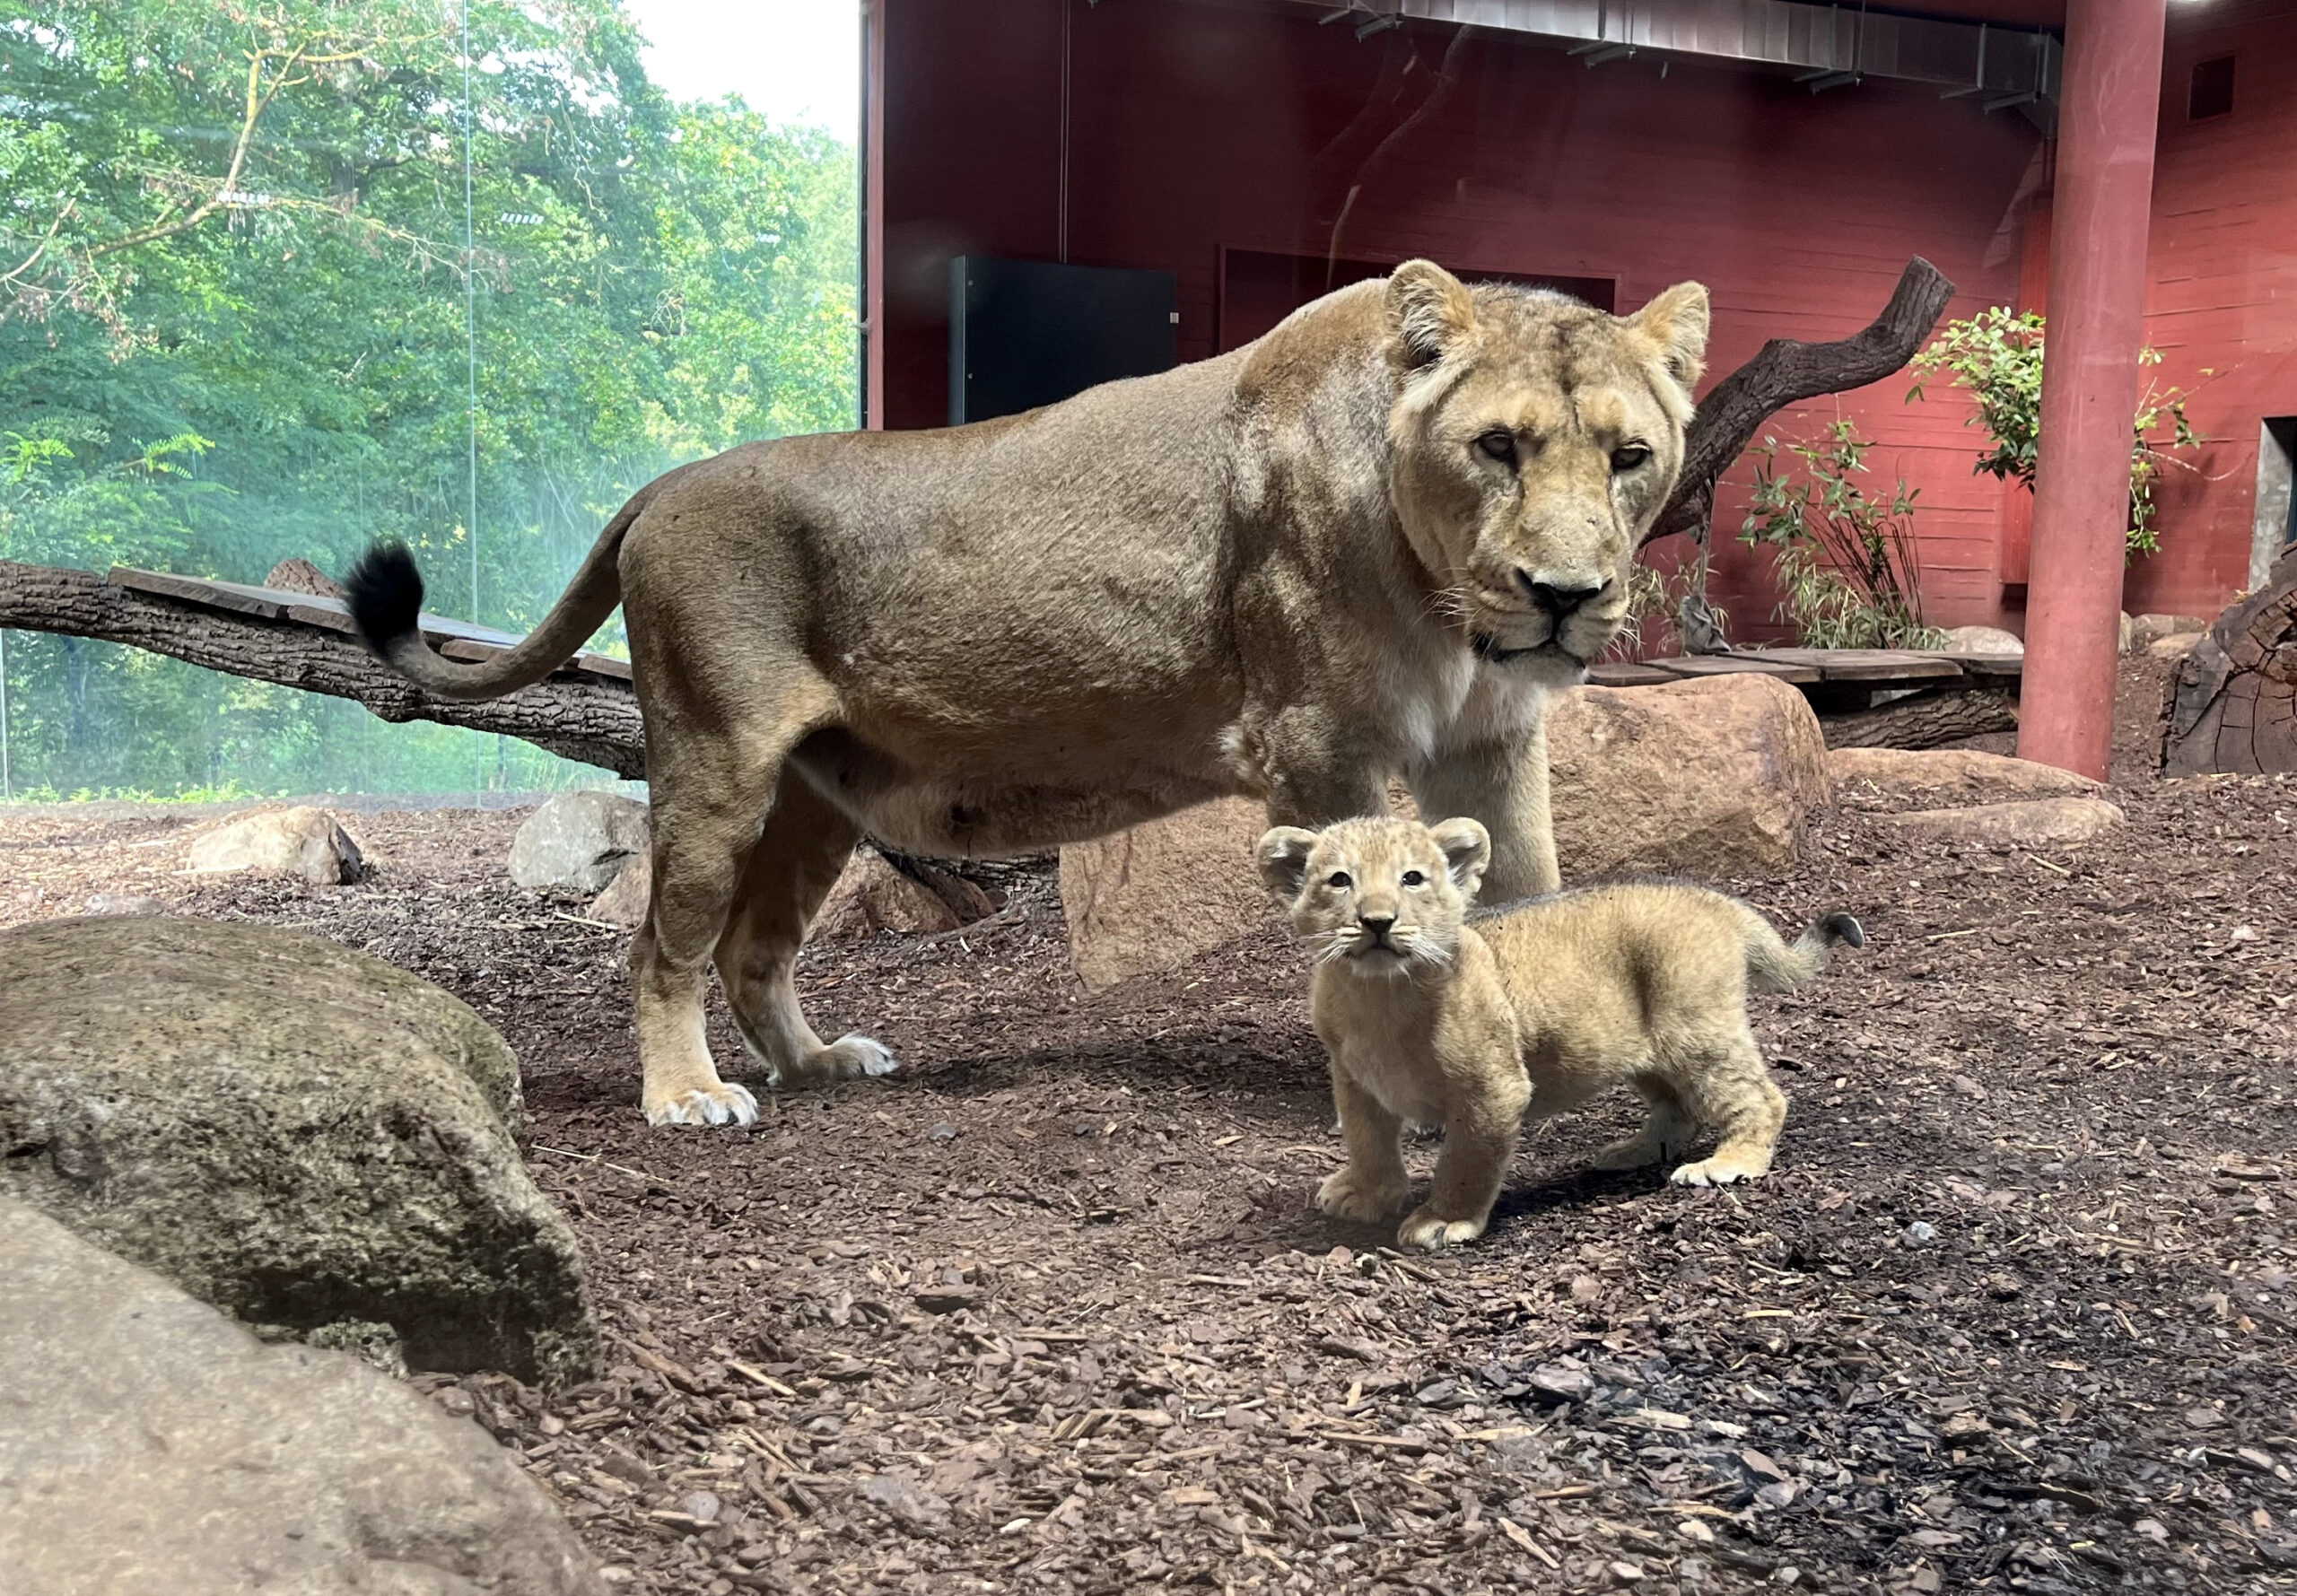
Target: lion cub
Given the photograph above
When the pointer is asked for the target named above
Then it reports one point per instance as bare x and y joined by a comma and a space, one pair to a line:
1543, 1004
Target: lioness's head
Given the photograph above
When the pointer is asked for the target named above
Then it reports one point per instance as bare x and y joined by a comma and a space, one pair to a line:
1535, 441
1376, 896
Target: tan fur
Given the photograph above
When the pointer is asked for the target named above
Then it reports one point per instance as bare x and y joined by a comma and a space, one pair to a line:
1263, 574
1437, 1018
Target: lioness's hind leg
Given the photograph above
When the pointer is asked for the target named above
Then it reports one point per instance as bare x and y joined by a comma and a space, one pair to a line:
1736, 1095
712, 786
1668, 1129
795, 861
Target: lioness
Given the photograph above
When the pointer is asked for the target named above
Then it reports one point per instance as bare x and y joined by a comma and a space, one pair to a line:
1363, 546
1433, 1017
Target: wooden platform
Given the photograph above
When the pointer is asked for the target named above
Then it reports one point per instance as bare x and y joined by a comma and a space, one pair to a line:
1828, 672
1819, 672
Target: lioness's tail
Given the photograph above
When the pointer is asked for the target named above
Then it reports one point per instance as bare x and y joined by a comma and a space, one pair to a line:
1775, 965
385, 593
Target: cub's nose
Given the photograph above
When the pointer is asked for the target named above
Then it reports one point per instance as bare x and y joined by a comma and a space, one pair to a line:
1559, 599
1377, 925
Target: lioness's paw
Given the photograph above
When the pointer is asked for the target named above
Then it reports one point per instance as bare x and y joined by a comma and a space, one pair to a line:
855, 1054
715, 1105
1718, 1171
1427, 1232
1343, 1197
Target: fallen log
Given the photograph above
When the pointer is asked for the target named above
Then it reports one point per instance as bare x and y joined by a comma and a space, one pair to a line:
2234, 705
593, 719
1923, 720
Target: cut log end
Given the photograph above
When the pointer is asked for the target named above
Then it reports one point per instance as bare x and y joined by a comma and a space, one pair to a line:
2233, 708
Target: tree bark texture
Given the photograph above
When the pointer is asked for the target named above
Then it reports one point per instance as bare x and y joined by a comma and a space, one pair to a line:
2234, 706
588, 717
1787, 371
1923, 721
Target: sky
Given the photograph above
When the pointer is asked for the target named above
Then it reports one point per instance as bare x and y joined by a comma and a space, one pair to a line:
795, 60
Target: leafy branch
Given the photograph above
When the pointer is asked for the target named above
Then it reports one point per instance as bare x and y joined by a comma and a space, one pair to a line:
1849, 567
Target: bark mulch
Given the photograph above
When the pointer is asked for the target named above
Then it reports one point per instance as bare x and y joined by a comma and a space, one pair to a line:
1052, 1310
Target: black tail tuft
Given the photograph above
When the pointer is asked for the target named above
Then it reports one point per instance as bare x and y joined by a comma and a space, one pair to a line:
1844, 927
385, 593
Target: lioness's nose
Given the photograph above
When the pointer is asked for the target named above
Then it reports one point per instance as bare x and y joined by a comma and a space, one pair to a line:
1558, 599
1377, 925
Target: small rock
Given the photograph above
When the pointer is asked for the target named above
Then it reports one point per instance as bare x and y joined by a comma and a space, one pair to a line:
1778, 1493
1921, 1233
1964, 1426
299, 575
1443, 1394
2147, 630
871, 896
628, 896
702, 1506
2203, 1418
944, 1131
1760, 1465
2242, 934
303, 842
1787, 1575
2004, 1287
2175, 647
1983, 639
1693, 1530
1587, 1288
949, 1299
124, 904
578, 841
2038, 823
1624, 1572
2153, 1530
1562, 1383
906, 1503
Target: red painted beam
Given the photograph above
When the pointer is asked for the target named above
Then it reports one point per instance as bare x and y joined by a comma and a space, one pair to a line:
2099, 221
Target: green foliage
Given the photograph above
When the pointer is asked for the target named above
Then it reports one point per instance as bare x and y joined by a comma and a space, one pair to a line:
1849, 567
238, 322
1997, 356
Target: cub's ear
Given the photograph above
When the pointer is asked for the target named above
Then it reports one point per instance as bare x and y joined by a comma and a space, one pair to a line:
1676, 321
1283, 855
1429, 311
1467, 850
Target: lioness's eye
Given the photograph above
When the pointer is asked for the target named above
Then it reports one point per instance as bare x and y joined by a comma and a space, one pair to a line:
1628, 457
1413, 878
1501, 446
1339, 878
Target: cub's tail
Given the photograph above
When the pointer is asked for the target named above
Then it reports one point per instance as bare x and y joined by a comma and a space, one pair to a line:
384, 591
1776, 966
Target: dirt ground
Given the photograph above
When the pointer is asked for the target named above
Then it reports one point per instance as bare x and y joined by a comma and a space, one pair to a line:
1051, 1311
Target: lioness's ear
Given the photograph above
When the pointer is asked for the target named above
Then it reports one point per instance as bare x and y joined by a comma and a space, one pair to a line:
1283, 855
1676, 321
1467, 850
1428, 310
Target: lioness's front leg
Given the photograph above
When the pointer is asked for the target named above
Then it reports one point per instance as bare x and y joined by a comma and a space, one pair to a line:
1504, 784
1375, 1183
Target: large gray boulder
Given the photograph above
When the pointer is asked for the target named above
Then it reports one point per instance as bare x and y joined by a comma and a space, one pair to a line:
297, 1133
578, 841
147, 1444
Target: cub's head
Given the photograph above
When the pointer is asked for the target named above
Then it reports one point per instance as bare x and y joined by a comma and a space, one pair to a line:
1376, 896
1535, 441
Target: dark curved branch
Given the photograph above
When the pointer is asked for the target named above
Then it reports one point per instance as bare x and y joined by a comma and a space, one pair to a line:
1788, 370
587, 718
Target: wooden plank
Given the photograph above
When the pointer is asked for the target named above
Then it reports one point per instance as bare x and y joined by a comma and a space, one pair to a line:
1871, 665
1989, 665
265, 602
1746, 663
1622, 673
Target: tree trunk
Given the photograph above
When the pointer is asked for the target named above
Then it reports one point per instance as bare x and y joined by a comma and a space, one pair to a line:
2234, 706
1787, 371
589, 717
1923, 721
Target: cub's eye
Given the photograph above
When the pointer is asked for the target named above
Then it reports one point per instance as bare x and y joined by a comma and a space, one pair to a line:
1339, 878
1414, 878
1500, 445
1627, 456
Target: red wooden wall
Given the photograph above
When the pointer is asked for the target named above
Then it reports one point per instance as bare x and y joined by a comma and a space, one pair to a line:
1194, 125
2222, 295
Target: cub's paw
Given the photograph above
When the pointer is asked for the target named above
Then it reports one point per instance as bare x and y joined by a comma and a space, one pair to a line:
1719, 1171
722, 1105
1426, 1232
1633, 1152
1344, 1196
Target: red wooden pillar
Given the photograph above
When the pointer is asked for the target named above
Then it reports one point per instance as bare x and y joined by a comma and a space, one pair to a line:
2101, 208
